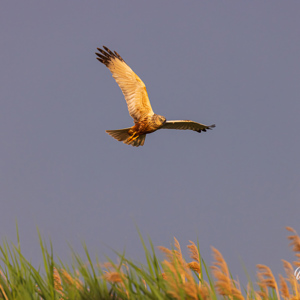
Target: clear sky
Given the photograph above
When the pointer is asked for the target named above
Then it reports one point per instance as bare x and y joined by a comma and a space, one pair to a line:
232, 63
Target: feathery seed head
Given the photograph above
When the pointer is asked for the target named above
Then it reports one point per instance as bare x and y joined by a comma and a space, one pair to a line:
284, 288
194, 253
195, 267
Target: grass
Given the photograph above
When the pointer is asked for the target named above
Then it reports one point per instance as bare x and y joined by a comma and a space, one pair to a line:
172, 278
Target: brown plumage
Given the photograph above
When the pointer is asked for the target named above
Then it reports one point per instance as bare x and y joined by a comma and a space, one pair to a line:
139, 107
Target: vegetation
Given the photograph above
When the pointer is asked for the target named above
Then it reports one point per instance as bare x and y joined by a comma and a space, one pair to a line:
172, 278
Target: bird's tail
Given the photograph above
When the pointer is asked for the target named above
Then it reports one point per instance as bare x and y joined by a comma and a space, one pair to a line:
123, 136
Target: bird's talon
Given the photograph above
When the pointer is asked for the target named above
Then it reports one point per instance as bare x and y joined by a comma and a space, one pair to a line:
133, 137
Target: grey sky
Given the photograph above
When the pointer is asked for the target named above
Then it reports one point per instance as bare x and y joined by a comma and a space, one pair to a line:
233, 63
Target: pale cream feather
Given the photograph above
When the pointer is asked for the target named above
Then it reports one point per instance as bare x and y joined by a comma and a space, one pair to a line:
133, 88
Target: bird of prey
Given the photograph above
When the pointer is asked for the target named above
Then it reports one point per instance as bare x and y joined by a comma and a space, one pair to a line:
139, 107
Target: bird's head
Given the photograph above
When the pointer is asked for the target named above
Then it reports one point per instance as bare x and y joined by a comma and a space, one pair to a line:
160, 120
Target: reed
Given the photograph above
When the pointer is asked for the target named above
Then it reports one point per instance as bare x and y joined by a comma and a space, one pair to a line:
174, 277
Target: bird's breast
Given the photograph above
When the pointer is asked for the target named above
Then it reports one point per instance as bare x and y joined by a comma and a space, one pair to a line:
146, 125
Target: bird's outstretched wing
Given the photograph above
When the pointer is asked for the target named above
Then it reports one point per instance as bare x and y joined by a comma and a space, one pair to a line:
133, 88
186, 125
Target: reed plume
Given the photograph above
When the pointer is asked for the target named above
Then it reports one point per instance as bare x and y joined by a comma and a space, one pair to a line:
115, 275
224, 284
295, 243
178, 276
75, 282
196, 264
266, 278
57, 282
291, 278
284, 289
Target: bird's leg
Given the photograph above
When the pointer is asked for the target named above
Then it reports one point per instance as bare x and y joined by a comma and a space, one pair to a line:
133, 137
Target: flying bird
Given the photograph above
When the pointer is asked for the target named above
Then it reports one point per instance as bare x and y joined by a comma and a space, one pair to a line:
139, 107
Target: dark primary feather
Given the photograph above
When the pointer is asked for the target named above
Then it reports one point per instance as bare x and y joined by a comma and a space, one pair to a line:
106, 57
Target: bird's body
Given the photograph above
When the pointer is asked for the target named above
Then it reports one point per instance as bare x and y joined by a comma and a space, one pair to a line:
136, 96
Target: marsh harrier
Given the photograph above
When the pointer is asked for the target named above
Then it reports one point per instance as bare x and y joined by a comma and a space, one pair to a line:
135, 93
